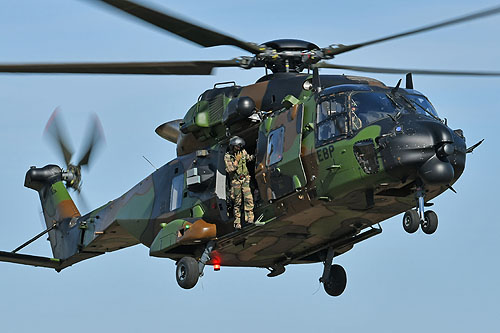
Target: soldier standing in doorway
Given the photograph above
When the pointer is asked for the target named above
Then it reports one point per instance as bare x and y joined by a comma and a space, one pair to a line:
236, 166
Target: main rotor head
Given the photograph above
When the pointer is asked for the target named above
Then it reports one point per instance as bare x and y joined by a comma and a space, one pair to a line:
287, 55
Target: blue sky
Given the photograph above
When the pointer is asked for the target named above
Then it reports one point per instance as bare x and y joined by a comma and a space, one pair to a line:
447, 281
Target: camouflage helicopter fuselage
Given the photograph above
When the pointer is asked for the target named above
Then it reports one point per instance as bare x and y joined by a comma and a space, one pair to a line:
313, 191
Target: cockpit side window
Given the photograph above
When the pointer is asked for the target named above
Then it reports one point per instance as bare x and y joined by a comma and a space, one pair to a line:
331, 118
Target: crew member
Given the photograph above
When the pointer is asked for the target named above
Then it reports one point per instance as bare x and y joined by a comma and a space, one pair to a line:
236, 166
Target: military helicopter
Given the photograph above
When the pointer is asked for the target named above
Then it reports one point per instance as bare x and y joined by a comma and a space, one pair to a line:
335, 155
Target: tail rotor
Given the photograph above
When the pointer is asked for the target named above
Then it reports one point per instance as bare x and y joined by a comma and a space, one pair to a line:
94, 138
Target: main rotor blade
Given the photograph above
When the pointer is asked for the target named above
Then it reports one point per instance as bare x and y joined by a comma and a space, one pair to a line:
53, 128
345, 48
190, 31
404, 71
155, 68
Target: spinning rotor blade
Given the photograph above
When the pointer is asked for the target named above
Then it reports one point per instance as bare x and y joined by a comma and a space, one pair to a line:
190, 31
155, 68
83, 202
72, 174
53, 129
93, 140
345, 48
404, 71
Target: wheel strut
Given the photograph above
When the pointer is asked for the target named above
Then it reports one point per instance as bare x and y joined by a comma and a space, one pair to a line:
420, 196
327, 265
427, 220
205, 257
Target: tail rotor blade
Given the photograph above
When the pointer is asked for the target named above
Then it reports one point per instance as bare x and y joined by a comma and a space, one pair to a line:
56, 133
82, 201
93, 140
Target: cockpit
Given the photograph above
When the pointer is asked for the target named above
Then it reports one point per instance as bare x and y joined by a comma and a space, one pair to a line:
348, 108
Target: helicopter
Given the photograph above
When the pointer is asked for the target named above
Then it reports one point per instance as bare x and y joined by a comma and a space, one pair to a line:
341, 166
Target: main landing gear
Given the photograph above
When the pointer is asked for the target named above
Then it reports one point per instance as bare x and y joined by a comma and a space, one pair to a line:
189, 270
427, 220
334, 277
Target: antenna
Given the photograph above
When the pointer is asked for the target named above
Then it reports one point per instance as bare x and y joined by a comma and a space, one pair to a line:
316, 80
395, 89
149, 162
409, 81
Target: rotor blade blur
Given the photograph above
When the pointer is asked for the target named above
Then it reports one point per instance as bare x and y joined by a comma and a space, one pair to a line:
92, 140
84, 206
190, 31
155, 68
53, 129
405, 71
345, 48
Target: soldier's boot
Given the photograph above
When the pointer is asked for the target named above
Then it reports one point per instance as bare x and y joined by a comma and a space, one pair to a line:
249, 216
237, 223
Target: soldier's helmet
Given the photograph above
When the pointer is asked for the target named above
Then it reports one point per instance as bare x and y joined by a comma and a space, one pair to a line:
237, 141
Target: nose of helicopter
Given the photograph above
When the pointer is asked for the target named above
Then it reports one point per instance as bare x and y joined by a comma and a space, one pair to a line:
425, 149
437, 170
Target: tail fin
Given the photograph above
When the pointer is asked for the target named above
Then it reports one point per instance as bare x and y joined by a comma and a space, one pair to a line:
58, 207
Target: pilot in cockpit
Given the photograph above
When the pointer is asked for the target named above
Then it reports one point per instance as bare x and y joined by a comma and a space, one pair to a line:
332, 117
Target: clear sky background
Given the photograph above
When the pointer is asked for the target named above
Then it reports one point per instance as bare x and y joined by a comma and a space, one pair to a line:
396, 281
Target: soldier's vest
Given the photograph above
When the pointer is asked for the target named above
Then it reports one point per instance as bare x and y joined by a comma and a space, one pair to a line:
241, 170
242, 166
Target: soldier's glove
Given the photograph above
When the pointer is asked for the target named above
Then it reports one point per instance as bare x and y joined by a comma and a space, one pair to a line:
238, 157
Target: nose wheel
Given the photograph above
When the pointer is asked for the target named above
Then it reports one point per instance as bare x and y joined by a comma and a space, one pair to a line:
414, 218
430, 222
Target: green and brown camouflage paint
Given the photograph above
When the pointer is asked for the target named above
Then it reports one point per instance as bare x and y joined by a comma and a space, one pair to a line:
314, 195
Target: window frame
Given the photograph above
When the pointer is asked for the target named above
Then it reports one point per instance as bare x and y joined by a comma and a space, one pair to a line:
337, 115
281, 131
177, 184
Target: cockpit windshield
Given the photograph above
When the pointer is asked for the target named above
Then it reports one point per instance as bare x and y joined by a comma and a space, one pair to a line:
422, 105
369, 106
350, 110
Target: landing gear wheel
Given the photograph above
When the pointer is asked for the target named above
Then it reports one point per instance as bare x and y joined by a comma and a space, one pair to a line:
187, 272
336, 281
411, 221
430, 222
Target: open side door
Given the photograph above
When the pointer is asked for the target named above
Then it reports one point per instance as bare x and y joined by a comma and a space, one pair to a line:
279, 170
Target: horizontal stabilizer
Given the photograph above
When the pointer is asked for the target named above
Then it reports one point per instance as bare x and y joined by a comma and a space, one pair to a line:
57, 264
26, 259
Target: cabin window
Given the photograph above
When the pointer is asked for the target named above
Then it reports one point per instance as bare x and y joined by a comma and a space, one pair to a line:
275, 146
331, 118
176, 192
